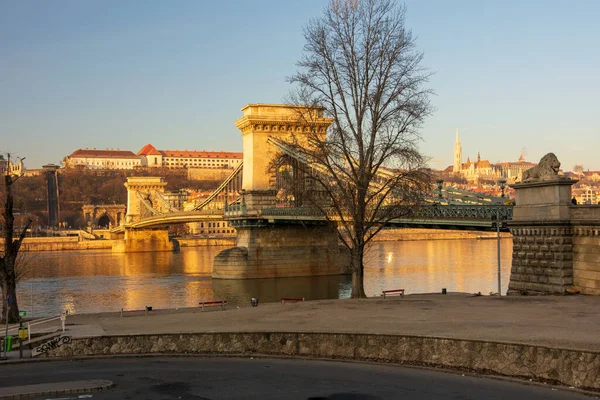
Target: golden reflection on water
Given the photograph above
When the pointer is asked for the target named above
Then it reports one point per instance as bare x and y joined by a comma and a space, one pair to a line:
96, 281
428, 266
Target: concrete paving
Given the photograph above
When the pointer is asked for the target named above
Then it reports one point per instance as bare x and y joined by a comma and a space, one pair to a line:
570, 322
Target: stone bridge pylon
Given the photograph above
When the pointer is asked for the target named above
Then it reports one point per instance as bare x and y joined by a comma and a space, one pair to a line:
143, 199
268, 248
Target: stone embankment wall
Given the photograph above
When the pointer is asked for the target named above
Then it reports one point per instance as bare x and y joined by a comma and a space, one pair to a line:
62, 243
219, 241
569, 367
556, 245
406, 234
586, 248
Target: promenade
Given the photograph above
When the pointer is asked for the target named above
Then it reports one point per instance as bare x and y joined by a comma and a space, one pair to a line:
568, 322
550, 339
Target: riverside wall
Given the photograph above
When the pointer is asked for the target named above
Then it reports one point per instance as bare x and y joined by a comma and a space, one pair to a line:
387, 235
407, 234
576, 368
63, 243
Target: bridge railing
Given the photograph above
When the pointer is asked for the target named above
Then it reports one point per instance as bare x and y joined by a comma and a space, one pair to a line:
472, 212
463, 212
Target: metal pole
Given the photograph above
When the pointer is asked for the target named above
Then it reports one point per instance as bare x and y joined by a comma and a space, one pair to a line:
499, 268
31, 316
6, 332
20, 340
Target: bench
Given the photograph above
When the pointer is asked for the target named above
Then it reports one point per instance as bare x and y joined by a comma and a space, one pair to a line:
385, 293
145, 311
291, 299
222, 303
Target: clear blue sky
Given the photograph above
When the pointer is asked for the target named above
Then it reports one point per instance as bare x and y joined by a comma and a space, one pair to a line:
123, 73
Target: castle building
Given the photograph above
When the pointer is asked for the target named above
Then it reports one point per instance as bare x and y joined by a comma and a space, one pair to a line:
102, 159
151, 157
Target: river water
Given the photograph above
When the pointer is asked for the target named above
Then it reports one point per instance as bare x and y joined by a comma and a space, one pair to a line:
97, 281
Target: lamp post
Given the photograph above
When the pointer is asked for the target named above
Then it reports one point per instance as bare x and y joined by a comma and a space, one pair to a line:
499, 220
440, 184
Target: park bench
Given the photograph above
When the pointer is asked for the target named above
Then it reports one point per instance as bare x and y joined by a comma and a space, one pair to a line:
291, 299
222, 303
385, 293
145, 311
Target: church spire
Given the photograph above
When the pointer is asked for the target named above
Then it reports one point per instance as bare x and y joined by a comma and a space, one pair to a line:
457, 154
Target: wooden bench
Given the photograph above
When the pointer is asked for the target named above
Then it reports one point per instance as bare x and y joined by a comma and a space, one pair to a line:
385, 293
291, 299
222, 303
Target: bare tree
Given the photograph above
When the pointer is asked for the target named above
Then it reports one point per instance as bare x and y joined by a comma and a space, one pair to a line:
10, 257
360, 66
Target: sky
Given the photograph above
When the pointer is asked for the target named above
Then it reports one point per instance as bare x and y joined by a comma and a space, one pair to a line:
511, 75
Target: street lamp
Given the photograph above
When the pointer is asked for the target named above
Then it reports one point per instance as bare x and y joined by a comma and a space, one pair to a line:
502, 183
440, 183
498, 221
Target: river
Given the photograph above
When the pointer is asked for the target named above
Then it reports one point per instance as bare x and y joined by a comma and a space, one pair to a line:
98, 281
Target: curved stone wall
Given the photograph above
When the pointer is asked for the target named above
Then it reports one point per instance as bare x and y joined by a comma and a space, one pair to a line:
569, 367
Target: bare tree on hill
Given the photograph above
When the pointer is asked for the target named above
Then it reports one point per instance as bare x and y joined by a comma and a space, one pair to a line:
361, 67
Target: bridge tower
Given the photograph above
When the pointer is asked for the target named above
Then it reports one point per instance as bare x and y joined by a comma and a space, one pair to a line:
265, 247
140, 189
142, 196
261, 121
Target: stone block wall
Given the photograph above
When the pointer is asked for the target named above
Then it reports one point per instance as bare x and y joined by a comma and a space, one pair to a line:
542, 260
259, 199
143, 240
586, 260
576, 368
280, 251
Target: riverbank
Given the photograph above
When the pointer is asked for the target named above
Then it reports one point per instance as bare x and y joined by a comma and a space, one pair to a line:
75, 243
552, 338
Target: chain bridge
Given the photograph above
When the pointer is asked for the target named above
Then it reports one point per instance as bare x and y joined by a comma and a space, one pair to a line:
448, 208
277, 233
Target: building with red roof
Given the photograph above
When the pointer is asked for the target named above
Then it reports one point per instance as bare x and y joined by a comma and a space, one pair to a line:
152, 157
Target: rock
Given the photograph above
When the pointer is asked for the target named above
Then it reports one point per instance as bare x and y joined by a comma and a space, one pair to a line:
573, 290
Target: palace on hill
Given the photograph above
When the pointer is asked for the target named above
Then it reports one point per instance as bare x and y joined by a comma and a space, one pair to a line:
474, 171
149, 156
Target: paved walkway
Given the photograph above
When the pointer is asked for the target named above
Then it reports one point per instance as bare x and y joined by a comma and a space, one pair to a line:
571, 322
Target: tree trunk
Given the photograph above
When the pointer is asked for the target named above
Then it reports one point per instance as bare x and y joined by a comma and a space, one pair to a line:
358, 273
10, 289
8, 261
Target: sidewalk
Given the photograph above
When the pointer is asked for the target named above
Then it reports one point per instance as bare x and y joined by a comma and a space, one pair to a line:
568, 322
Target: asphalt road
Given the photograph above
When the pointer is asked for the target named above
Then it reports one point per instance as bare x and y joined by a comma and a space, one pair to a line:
245, 378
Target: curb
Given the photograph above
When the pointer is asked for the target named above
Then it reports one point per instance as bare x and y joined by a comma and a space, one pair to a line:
50, 389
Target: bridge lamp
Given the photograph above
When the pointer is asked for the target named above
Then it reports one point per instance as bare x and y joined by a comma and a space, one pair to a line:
440, 183
502, 183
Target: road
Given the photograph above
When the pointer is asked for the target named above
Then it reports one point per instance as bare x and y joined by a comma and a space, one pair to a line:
245, 378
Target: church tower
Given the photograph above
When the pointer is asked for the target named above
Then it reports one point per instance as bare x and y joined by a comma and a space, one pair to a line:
457, 154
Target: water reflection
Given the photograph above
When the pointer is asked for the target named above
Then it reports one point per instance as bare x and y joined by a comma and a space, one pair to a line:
428, 266
96, 281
